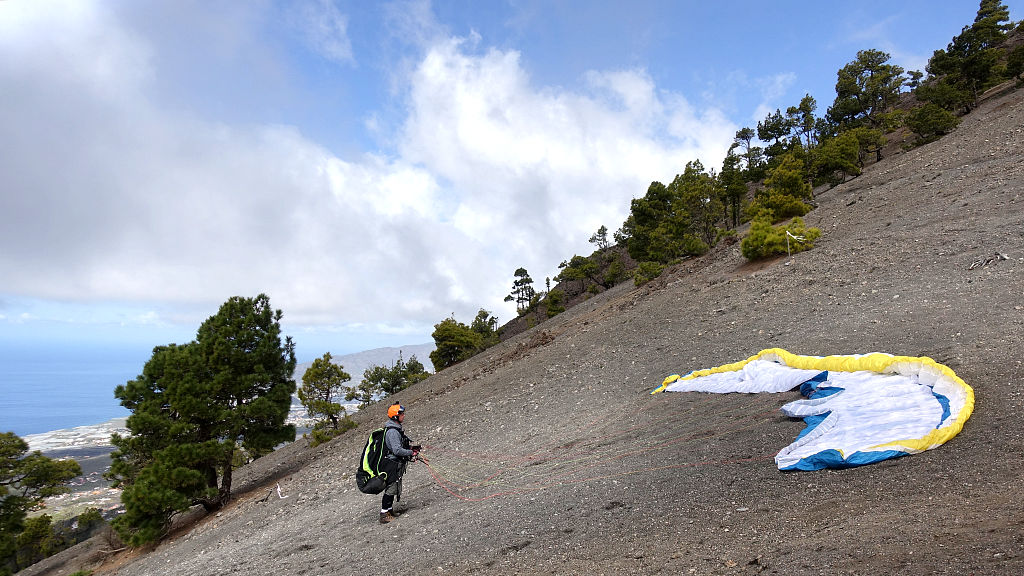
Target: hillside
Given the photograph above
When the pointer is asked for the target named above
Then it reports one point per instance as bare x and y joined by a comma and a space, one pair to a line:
568, 466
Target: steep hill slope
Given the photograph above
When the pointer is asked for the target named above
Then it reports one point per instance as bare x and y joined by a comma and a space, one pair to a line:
554, 458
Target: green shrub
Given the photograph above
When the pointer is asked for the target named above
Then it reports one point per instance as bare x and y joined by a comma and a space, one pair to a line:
836, 158
38, 540
323, 432
616, 273
727, 236
931, 121
789, 177
1015, 61
778, 206
646, 272
319, 436
555, 303
765, 240
943, 94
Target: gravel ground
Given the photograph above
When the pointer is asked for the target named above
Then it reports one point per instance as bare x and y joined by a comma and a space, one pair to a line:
553, 458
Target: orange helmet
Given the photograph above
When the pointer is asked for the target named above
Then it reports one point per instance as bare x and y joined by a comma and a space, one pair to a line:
395, 409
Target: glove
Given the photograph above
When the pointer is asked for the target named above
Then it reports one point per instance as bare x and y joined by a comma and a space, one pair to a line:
416, 448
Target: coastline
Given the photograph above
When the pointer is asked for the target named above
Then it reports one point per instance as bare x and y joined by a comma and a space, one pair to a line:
90, 446
79, 437
97, 436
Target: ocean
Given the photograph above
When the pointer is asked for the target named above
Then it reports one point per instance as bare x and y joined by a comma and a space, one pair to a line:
49, 387
46, 391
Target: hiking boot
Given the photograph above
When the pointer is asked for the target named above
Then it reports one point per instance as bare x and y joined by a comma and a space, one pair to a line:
386, 517
396, 512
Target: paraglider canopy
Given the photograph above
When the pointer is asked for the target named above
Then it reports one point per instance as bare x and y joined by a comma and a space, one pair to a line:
859, 409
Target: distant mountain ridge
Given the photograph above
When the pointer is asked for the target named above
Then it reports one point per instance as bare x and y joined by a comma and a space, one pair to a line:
357, 363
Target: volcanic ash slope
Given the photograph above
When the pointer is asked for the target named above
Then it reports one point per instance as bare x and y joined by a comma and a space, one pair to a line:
548, 456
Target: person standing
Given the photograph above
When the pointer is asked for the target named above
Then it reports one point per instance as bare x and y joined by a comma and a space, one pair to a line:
400, 451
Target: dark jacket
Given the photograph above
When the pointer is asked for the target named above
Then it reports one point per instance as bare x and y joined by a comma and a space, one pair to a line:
396, 441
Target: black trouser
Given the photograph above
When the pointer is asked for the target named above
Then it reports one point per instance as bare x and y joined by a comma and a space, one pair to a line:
394, 489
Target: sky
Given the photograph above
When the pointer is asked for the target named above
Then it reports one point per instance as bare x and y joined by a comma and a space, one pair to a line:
373, 167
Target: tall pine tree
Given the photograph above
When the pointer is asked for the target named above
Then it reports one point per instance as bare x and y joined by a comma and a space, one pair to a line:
322, 382
193, 407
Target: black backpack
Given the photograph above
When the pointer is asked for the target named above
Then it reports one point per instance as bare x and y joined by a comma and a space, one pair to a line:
376, 471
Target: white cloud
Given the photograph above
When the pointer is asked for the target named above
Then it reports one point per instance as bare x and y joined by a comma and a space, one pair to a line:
110, 196
145, 318
772, 88
413, 22
325, 30
890, 35
546, 166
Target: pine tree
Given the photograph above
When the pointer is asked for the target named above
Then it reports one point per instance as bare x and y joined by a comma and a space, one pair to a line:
865, 89
487, 327
662, 228
789, 178
415, 371
381, 381
775, 129
803, 121
26, 479
968, 64
931, 121
579, 268
734, 184
194, 407
522, 291
370, 388
836, 158
991, 23
699, 197
323, 381
454, 342
600, 238
752, 155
